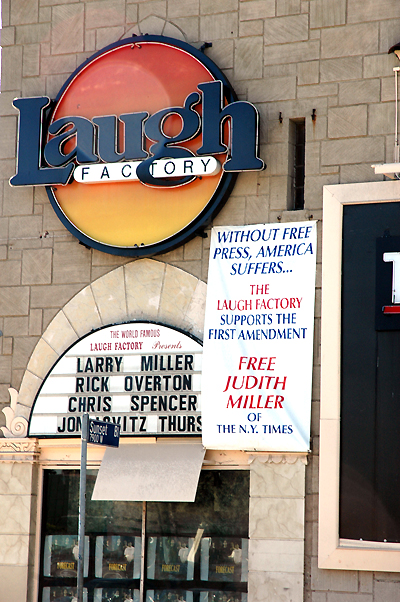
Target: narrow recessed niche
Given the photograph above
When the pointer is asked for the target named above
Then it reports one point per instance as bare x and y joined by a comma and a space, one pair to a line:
297, 147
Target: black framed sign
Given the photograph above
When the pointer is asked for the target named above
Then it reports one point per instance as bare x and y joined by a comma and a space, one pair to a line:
141, 147
370, 386
144, 377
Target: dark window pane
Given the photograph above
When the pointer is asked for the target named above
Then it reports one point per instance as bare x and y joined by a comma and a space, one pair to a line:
370, 390
221, 508
297, 142
61, 489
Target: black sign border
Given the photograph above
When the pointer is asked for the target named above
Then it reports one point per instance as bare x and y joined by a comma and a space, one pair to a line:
214, 205
78, 436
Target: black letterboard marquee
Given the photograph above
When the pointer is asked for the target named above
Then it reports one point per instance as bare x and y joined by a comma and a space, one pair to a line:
142, 376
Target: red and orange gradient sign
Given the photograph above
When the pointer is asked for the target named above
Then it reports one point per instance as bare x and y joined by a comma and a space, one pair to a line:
146, 76
141, 147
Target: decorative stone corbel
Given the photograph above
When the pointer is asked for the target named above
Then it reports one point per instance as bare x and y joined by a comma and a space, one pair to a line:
16, 426
277, 458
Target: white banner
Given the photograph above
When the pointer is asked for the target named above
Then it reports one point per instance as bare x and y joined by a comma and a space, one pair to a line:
258, 337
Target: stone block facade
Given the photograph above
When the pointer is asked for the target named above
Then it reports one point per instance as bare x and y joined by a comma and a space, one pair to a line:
324, 61
19, 491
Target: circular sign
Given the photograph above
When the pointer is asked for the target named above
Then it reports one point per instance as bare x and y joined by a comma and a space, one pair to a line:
121, 215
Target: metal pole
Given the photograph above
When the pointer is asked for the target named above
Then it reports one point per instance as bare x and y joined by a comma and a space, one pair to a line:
396, 128
82, 505
143, 553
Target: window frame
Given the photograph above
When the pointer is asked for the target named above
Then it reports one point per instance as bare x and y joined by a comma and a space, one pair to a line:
333, 552
64, 454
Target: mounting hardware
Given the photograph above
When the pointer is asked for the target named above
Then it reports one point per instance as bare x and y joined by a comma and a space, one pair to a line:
205, 45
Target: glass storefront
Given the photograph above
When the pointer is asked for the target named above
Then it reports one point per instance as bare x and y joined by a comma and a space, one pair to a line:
194, 552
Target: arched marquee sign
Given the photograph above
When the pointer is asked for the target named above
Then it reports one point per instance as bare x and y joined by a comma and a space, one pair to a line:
141, 147
143, 376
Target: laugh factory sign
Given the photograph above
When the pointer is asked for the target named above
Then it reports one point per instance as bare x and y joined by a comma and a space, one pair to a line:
141, 147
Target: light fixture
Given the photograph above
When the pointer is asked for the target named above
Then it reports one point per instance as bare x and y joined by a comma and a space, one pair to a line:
395, 49
392, 170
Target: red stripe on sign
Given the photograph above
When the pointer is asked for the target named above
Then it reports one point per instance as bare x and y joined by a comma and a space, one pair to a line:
391, 309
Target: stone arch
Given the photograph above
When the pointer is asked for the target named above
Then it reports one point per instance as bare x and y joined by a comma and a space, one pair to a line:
140, 290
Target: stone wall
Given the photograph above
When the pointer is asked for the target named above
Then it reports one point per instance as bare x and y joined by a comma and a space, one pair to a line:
285, 56
18, 491
276, 547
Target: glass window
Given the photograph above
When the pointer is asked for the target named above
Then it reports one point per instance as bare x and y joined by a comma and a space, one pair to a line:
194, 552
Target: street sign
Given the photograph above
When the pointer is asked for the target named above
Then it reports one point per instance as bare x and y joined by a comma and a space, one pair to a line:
98, 432
103, 433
